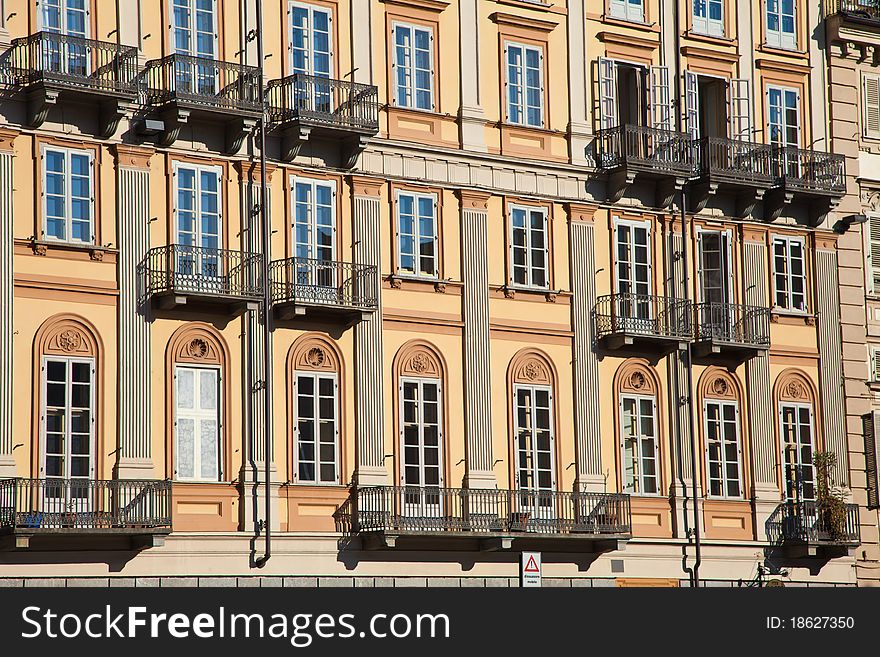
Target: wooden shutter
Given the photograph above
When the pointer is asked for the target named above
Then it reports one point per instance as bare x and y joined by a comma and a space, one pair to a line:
692, 104
871, 98
870, 427
874, 252
661, 106
740, 109
875, 365
607, 93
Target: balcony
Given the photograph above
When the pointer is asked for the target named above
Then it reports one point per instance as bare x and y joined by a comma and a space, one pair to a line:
409, 516
125, 514
304, 106
643, 323
858, 12
340, 292
804, 529
181, 86
743, 168
730, 331
202, 279
664, 156
47, 64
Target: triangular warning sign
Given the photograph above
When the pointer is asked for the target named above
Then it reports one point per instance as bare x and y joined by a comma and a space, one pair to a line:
531, 566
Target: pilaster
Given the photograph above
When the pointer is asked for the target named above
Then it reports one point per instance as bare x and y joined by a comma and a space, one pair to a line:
471, 119
7, 327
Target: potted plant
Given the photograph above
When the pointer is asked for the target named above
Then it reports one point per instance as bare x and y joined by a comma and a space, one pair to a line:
830, 499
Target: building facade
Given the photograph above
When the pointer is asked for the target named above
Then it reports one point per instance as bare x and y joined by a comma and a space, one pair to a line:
565, 277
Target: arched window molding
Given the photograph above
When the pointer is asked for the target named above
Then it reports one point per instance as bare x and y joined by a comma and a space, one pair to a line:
638, 423
315, 403
797, 420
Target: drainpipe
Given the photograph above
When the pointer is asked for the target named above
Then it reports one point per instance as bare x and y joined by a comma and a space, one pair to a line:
686, 283
267, 299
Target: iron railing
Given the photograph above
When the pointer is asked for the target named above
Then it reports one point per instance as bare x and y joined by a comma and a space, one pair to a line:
315, 281
74, 62
806, 170
643, 314
737, 160
183, 269
733, 323
84, 504
807, 523
864, 9
417, 509
203, 82
660, 151
323, 101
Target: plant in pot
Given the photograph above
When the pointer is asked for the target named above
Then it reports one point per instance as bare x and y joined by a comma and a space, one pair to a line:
830, 499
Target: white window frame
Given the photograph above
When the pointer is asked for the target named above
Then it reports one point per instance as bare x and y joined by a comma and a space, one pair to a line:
637, 455
723, 462
314, 183
417, 271
728, 256
68, 199
627, 10
530, 267
798, 406
317, 462
521, 102
783, 91
193, 40
312, 9
780, 38
617, 222
706, 25
411, 87
788, 240
197, 201
62, 10
516, 439
217, 416
68, 361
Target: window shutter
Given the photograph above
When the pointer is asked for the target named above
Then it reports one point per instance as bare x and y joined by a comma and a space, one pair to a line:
874, 252
870, 427
607, 93
875, 365
871, 89
739, 94
661, 106
692, 104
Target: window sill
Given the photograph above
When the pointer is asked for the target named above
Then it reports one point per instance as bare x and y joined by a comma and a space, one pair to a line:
625, 22
67, 249
405, 282
779, 50
530, 293
791, 317
723, 40
873, 385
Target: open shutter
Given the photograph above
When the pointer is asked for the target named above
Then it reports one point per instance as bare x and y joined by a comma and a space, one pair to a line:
692, 104
870, 428
871, 96
875, 366
435, 223
661, 107
874, 252
607, 93
739, 95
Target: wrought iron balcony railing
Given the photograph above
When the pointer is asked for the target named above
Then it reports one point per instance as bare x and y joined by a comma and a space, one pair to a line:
415, 509
662, 152
203, 83
806, 170
807, 523
737, 161
74, 62
32, 505
643, 314
324, 101
868, 10
733, 323
202, 271
313, 281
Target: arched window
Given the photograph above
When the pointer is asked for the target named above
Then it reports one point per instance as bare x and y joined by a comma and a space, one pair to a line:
721, 431
314, 369
197, 366
68, 351
420, 406
638, 423
795, 398
534, 428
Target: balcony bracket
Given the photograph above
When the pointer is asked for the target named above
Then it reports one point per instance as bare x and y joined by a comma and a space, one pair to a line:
174, 119
617, 183
236, 132
39, 102
700, 193
352, 149
292, 140
610, 545
746, 200
110, 114
774, 200
495, 544
665, 190
380, 541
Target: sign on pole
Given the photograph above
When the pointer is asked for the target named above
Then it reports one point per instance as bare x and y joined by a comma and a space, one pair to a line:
530, 569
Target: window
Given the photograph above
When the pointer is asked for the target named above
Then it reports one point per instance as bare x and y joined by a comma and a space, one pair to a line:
796, 428
69, 17
638, 442
708, 17
630, 94
314, 236
717, 317
194, 35
874, 364
413, 65
311, 50
632, 270
723, 454
317, 428
873, 252
710, 110
781, 31
784, 113
629, 10
68, 418
525, 88
529, 247
417, 234
65, 57
68, 193
533, 427
789, 273
197, 423
421, 438
871, 106
198, 221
